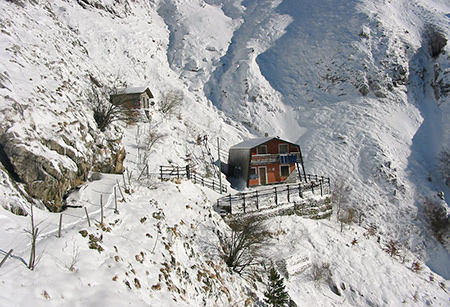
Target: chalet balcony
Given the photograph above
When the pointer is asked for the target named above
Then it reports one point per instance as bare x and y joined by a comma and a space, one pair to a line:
291, 157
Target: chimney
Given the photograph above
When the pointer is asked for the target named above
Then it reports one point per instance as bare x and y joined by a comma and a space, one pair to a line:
266, 134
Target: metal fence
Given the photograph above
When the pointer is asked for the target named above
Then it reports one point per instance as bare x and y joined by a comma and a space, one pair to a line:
255, 200
168, 172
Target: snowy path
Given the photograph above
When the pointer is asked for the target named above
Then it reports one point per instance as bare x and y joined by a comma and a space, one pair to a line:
48, 223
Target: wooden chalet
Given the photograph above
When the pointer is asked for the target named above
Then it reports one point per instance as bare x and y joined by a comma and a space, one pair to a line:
132, 97
262, 161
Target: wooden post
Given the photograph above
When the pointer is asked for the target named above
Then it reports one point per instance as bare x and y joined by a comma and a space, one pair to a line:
60, 225
6, 257
257, 201
321, 189
101, 209
300, 193
230, 203
87, 215
120, 190
161, 172
289, 199
243, 201
213, 186
188, 172
115, 201
312, 187
203, 181
124, 182
276, 196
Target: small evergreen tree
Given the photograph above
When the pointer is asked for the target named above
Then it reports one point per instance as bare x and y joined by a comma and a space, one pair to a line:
276, 295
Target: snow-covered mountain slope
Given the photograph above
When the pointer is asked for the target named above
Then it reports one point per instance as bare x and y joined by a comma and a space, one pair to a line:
353, 82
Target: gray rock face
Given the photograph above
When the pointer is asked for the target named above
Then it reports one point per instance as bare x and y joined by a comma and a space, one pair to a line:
48, 169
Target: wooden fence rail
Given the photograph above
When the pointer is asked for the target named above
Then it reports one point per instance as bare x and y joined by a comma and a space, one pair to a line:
167, 172
251, 201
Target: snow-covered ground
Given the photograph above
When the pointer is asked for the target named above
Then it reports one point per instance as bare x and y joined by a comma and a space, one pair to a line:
350, 81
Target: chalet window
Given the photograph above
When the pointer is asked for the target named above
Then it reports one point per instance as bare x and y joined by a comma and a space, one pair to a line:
261, 150
283, 148
253, 174
284, 170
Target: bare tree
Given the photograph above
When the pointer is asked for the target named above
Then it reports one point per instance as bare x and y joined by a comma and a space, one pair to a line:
242, 248
104, 111
346, 216
171, 100
340, 195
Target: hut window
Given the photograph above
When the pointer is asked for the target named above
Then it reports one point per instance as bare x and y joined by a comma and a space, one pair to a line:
261, 150
253, 174
284, 170
283, 148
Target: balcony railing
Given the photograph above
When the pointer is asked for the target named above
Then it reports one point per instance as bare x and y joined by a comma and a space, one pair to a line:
291, 157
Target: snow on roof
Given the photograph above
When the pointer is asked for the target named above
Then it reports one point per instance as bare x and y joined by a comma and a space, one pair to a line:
251, 143
131, 90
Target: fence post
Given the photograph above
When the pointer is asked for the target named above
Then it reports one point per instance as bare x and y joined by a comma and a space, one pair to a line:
213, 185
188, 172
101, 209
276, 196
257, 203
289, 199
6, 257
230, 202
178, 172
120, 190
317, 178
115, 200
161, 172
203, 181
60, 225
312, 187
87, 215
321, 189
243, 201
300, 190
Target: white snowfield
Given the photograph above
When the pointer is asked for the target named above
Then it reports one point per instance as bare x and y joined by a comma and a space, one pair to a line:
348, 80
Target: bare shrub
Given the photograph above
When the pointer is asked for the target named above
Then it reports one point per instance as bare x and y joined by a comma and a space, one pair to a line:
435, 38
242, 248
346, 216
416, 266
104, 111
392, 248
444, 165
146, 141
107, 111
340, 194
438, 217
171, 100
321, 272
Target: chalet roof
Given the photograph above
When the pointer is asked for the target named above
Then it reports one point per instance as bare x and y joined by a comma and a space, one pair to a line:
252, 143
133, 90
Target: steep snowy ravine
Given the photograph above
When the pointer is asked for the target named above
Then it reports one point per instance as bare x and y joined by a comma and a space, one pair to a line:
341, 78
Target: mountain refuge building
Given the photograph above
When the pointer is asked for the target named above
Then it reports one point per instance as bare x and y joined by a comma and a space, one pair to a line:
263, 161
132, 97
